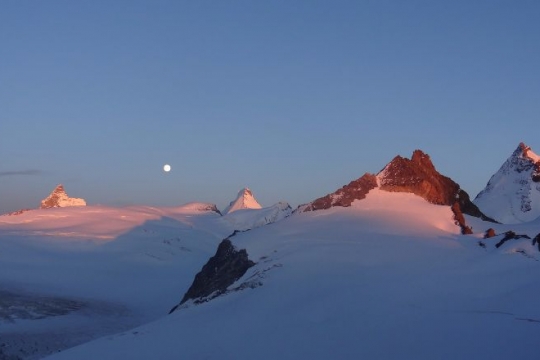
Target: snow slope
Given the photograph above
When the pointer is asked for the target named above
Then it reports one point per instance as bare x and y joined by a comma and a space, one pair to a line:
512, 195
246, 219
387, 278
69, 275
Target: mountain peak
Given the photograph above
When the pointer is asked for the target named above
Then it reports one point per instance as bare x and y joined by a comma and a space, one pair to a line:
422, 159
417, 176
244, 200
512, 194
59, 198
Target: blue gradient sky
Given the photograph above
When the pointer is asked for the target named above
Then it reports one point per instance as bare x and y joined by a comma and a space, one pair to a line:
290, 98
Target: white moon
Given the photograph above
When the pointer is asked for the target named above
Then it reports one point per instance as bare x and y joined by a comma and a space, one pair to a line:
166, 167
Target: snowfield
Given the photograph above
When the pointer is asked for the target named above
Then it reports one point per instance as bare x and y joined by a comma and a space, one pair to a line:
387, 278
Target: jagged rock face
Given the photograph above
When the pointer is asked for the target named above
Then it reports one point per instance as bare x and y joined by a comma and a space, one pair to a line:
59, 198
512, 195
221, 271
244, 200
417, 176
355, 190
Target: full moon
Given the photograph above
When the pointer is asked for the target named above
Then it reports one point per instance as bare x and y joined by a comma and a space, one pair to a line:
166, 167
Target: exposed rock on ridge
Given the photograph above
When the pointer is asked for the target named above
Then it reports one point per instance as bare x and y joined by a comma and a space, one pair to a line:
418, 176
221, 271
355, 190
59, 198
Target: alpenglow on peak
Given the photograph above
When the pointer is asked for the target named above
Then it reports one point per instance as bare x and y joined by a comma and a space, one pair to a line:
59, 198
512, 195
244, 200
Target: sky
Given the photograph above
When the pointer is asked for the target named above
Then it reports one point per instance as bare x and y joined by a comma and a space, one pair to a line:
292, 99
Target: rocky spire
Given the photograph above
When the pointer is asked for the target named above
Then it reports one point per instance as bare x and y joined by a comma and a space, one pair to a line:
59, 198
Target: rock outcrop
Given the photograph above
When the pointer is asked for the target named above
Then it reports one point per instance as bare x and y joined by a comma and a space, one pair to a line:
59, 198
417, 176
510, 235
536, 241
489, 233
18, 212
355, 190
221, 271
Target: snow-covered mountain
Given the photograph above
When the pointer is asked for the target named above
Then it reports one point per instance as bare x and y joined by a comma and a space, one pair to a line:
244, 200
344, 283
341, 278
59, 198
512, 195
416, 176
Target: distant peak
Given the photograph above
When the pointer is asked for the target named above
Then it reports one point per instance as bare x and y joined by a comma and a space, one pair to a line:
244, 200
59, 198
511, 194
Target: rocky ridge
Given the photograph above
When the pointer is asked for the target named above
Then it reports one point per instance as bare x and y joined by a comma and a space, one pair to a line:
418, 176
222, 270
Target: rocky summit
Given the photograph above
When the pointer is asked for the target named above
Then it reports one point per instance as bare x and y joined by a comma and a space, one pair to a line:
59, 198
418, 176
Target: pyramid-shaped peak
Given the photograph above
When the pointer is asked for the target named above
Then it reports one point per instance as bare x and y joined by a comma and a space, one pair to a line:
59, 189
59, 198
244, 200
512, 194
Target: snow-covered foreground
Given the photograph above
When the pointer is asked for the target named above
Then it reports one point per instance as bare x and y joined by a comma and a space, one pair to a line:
388, 278
69, 275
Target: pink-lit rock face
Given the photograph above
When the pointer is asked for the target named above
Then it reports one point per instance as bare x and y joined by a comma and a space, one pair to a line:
59, 198
415, 176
